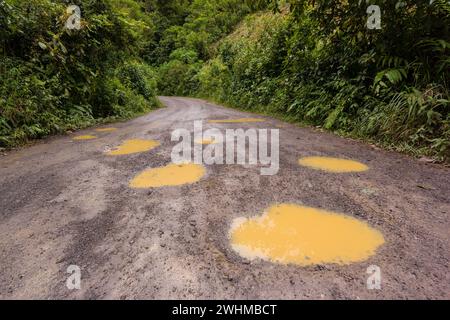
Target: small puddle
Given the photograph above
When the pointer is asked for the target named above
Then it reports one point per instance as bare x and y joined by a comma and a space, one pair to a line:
206, 141
171, 175
335, 165
243, 120
134, 146
292, 234
87, 137
106, 129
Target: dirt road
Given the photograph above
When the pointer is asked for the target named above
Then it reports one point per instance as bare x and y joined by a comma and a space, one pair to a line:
64, 202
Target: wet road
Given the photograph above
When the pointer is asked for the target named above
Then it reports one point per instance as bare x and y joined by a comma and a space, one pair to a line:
67, 202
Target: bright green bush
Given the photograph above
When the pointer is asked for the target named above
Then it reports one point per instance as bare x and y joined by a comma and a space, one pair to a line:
214, 79
140, 77
178, 78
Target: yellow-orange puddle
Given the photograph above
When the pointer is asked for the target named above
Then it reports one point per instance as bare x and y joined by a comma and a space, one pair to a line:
206, 141
87, 137
171, 175
292, 234
134, 146
243, 120
106, 129
333, 164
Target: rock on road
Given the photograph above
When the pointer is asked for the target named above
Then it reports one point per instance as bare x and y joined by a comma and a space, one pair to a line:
63, 202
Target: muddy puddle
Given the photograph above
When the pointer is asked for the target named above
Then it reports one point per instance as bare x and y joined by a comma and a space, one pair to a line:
86, 137
335, 165
293, 234
134, 146
242, 120
106, 129
171, 175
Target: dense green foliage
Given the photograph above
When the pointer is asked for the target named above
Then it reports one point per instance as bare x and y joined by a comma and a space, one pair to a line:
185, 45
313, 62
317, 62
391, 84
54, 78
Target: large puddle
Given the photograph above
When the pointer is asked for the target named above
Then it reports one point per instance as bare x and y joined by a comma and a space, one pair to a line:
333, 164
242, 120
87, 137
171, 175
292, 234
134, 146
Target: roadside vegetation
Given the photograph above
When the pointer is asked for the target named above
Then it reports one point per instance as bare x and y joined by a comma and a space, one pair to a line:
53, 79
318, 63
312, 62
